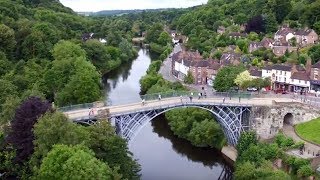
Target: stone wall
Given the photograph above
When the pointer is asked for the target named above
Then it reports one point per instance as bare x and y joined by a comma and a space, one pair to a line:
268, 120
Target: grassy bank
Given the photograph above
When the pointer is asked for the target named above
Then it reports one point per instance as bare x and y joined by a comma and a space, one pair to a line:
310, 130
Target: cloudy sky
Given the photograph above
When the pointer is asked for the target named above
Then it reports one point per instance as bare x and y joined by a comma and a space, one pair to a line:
98, 5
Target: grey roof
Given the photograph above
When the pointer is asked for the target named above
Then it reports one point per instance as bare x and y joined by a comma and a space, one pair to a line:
278, 67
256, 72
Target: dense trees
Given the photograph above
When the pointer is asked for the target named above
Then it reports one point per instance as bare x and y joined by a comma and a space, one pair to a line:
197, 126
101, 139
77, 162
226, 76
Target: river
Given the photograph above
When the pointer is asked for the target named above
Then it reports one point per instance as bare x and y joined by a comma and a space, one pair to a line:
161, 154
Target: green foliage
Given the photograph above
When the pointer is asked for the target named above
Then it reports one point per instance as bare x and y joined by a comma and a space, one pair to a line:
113, 150
197, 126
7, 39
67, 50
189, 79
245, 140
314, 53
77, 162
242, 78
305, 171
283, 141
154, 67
55, 128
224, 80
147, 81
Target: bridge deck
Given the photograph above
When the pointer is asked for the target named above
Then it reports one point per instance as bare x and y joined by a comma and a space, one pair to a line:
156, 104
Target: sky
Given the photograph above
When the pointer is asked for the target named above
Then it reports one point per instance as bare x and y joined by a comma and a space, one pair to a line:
98, 5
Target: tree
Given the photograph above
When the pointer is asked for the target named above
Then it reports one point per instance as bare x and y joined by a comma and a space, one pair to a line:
253, 36
241, 78
84, 86
224, 80
282, 9
55, 128
245, 140
73, 162
255, 24
154, 33
245, 171
271, 23
189, 79
314, 53
67, 50
207, 132
21, 135
7, 40
164, 39
243, 45
293, 42
113, 150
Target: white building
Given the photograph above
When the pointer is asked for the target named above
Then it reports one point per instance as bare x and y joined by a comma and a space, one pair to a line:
287, 77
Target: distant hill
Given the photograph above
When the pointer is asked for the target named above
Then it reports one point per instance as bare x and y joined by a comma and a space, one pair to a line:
121, 12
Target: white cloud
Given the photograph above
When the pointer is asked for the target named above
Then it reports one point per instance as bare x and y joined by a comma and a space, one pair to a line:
98, 5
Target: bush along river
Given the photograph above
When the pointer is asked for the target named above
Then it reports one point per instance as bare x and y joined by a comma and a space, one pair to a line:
161, 154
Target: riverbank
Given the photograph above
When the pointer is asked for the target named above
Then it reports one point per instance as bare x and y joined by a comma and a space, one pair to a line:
230, 152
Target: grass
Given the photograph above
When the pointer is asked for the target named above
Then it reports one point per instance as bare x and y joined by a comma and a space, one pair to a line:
310, 130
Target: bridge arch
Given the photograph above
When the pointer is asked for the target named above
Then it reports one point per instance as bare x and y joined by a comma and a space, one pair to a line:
233, 120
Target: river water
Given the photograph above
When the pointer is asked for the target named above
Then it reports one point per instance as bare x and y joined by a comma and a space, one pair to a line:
161, 154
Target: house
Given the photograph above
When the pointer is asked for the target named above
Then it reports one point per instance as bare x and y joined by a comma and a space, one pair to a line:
221, 30
87, 36
255, 73
284, 34
237, 35
287, 77
306, 36
203, 71
230, 58
315, 76
265, 43
253, 46
279, 47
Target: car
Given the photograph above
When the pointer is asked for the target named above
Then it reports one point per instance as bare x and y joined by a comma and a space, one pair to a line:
252, 89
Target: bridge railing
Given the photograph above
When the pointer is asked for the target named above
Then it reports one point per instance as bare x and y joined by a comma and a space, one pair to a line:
195, 94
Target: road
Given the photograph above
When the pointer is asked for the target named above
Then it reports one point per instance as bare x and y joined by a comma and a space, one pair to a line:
165, 69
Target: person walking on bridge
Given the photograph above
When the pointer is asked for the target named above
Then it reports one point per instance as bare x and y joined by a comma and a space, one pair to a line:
159, 97
181, 98
143, 102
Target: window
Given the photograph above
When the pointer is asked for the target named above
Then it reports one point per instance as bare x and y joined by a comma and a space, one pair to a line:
276, 78
316, 77
285, 73
285, 79
291, 80
305, 82
299, 81
277, 72
280, 72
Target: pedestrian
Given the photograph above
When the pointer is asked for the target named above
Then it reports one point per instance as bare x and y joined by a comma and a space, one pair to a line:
239, 98
224, 99
199, 95
143, 102
181, 98
159, 97
91, 112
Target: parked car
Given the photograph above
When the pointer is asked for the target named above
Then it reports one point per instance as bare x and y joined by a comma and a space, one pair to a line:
252, 89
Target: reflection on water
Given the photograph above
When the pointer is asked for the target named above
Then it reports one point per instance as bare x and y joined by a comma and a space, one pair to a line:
122, 85
165, 156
